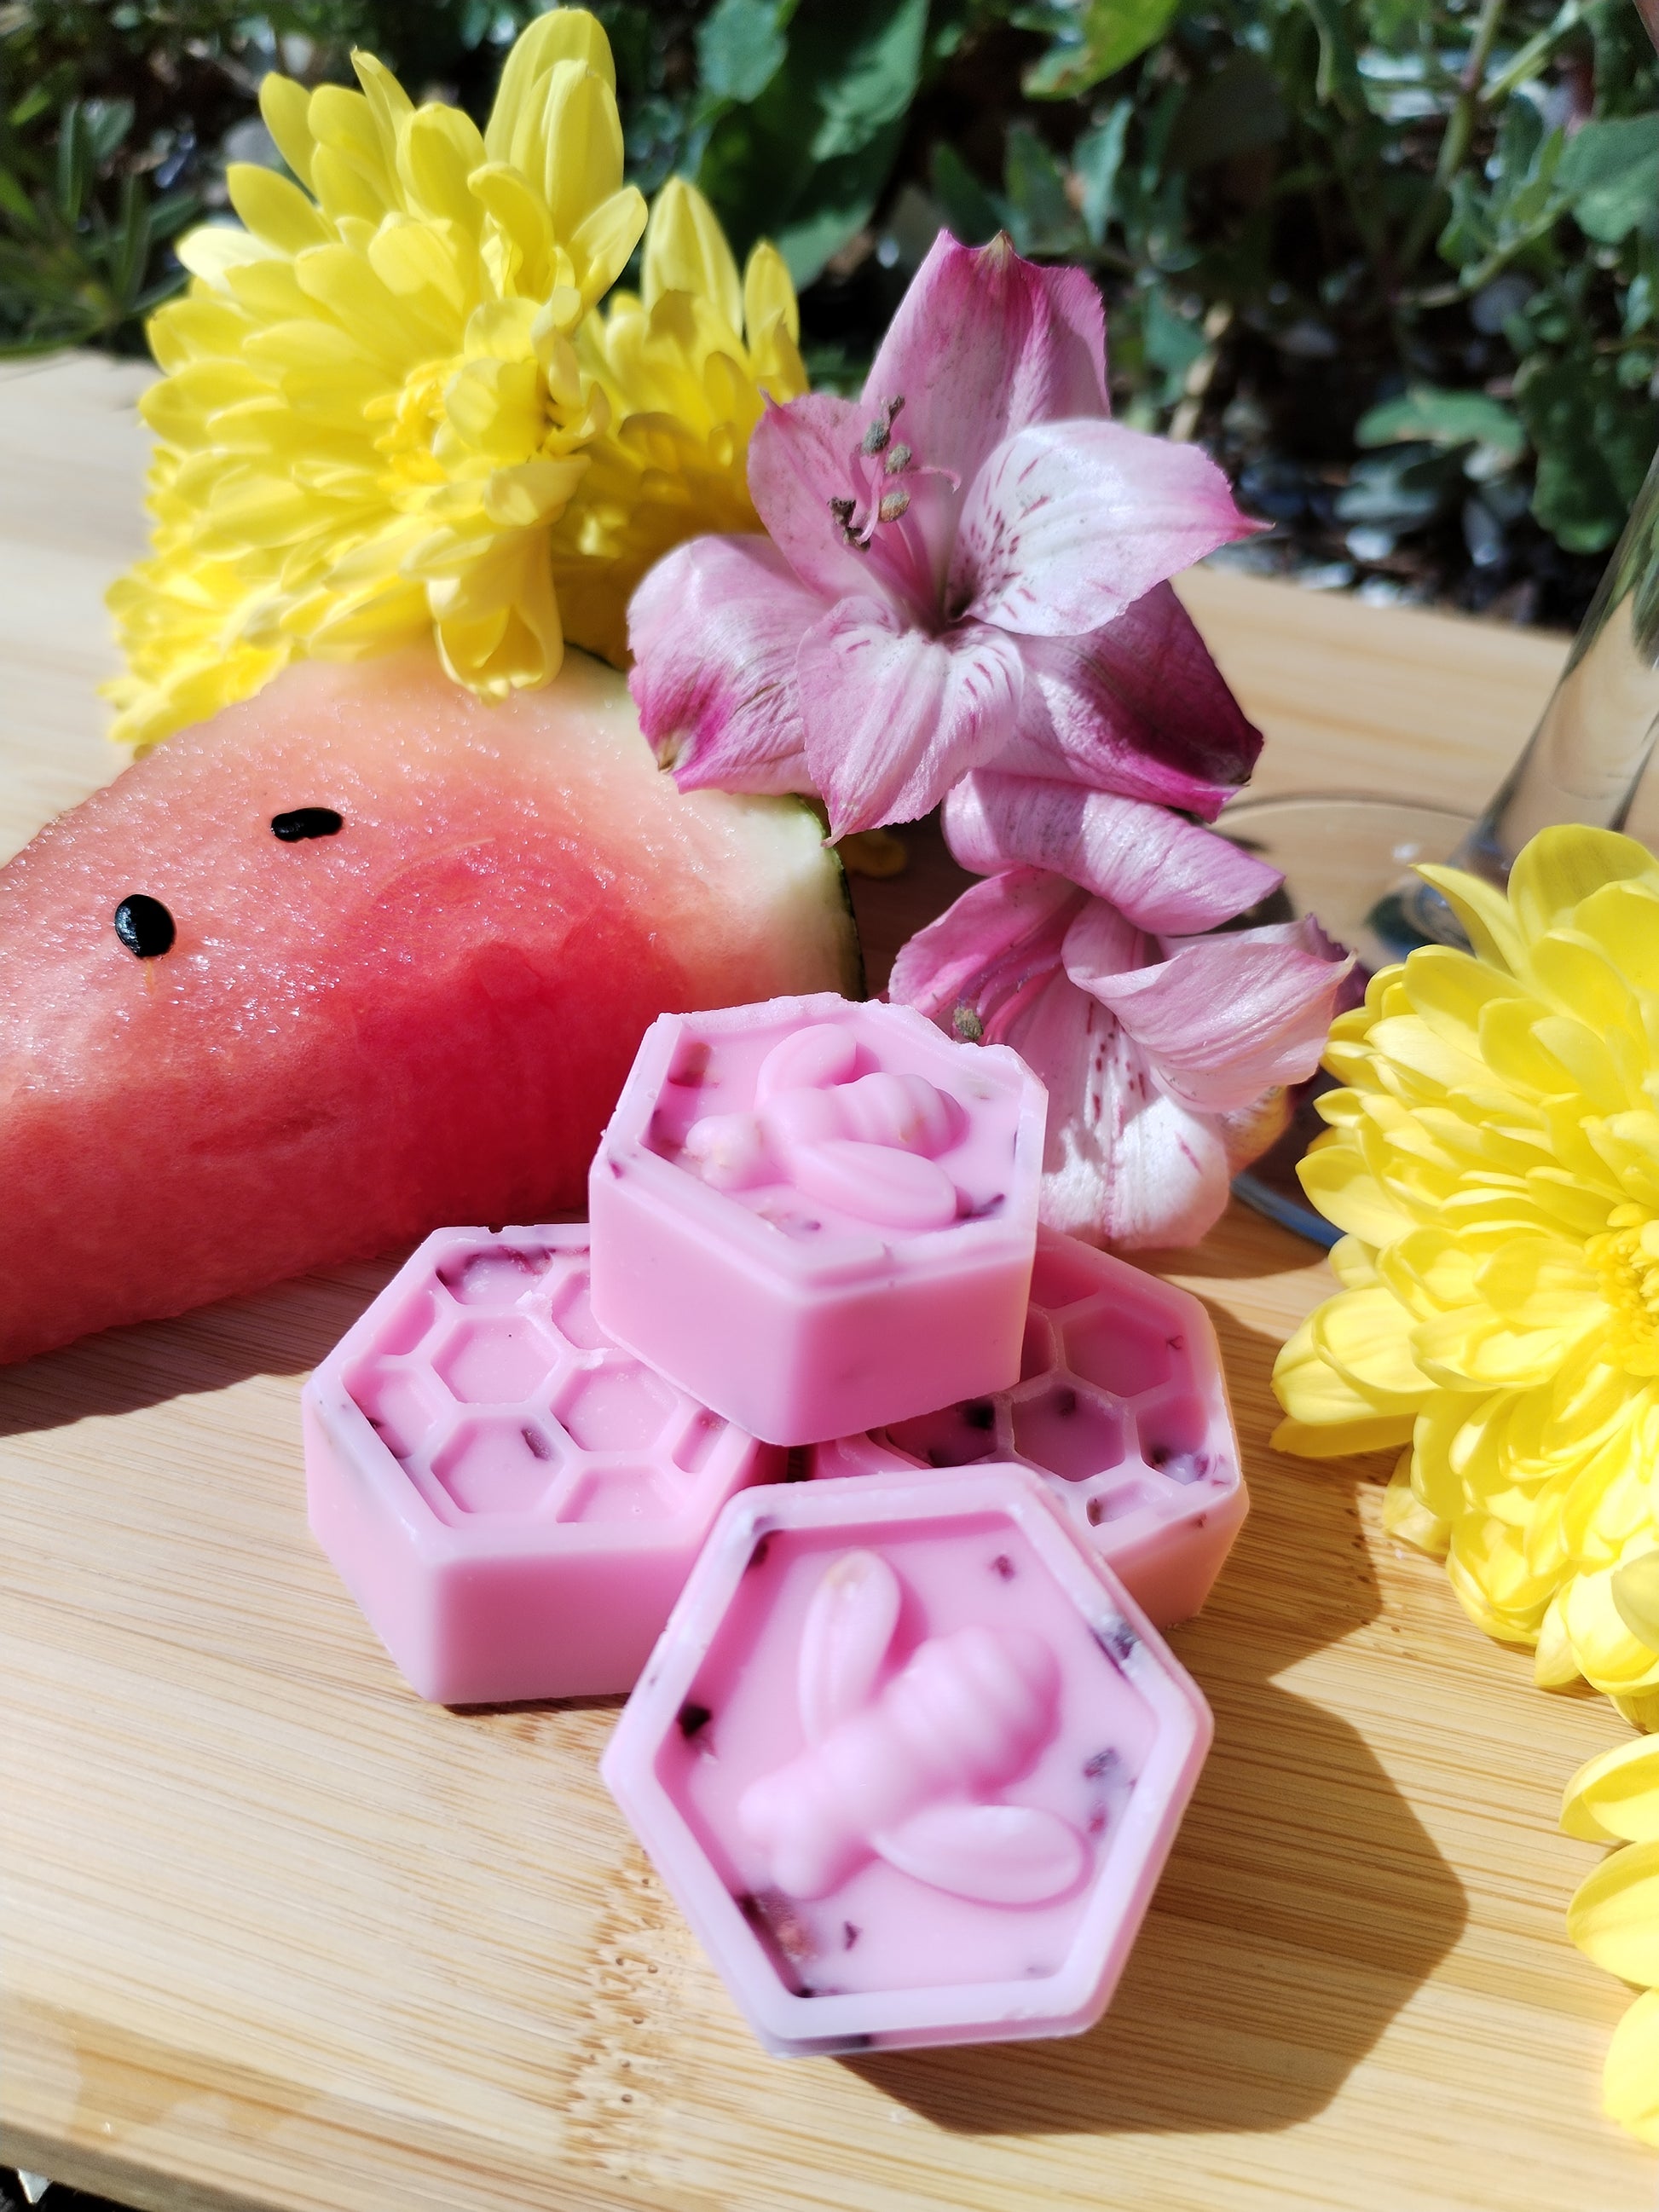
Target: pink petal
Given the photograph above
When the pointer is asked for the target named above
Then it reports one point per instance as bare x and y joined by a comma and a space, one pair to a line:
1138, 707
1068, 524
999, 941
1164, 874
1123, 1162
800, 458
894, 716
982, 344
714, 628
1222, 1020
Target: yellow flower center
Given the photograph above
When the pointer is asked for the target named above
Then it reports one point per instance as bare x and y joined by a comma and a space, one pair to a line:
416, 412
1626, 1257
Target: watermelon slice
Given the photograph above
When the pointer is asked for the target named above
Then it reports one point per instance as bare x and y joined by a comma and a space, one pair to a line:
357, 958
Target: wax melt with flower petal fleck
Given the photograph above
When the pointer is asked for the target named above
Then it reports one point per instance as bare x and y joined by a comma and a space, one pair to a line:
1121, 1407
819, 1215
909, 1760
513, 1501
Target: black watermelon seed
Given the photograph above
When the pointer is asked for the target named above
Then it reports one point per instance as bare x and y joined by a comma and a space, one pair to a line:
693, 1719
144, 926
302, 821
979, 1413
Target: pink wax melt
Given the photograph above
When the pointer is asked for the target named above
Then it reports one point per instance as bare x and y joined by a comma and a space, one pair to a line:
910, 1761
1121, 1407
816, 1216
513, 1501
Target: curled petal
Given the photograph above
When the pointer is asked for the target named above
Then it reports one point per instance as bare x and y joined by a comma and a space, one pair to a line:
1123, 1162
894, 716
1630, 2079
1137, 707
996, 945
1223, 1020
1614, 1915
1164, 874
1069, 522
713, 631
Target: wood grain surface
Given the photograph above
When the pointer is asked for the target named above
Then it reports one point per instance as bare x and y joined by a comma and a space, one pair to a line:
274, 1934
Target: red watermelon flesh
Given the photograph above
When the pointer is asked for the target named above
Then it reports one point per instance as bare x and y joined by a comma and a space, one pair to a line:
354, 1038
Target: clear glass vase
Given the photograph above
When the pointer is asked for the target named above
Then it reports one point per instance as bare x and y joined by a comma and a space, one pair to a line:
1347, 858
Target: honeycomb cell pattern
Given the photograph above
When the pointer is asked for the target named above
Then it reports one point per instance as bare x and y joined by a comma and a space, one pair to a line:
492, 1386
1119, 1403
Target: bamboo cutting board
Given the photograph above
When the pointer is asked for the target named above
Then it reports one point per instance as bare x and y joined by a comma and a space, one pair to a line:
274, 1934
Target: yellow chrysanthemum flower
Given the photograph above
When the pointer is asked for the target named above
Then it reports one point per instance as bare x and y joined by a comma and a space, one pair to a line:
1495, 1162
1614, 1919
386, 395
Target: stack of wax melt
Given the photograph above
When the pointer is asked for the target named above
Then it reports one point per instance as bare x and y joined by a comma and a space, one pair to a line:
909, 1750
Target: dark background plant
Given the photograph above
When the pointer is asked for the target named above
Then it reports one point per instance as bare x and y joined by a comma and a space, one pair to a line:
1397, 262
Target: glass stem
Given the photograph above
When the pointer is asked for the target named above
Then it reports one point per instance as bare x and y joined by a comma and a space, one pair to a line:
1587, 755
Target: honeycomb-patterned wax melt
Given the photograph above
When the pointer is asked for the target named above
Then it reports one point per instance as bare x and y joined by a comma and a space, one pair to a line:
513, 1501
909, 1760
1121, 1406
817, 1215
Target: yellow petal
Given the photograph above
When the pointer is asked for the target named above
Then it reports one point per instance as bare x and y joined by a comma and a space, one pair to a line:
582, 147
1635, 1588
1611, 1657
275, 211
1615, 1798
1614, 1917
1317, 1395
768, 294
562, 35
1623, 919
1367, 1337
1630, 2079
602, 242
438, 149
1484, 914
1406, 1516
213, 249
285, 105
685, 251
1553, 1666
519, 498
1565, 864
522, 217
1338, 1182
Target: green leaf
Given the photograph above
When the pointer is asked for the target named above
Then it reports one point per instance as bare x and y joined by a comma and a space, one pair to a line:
1106, 36
804, 162
1435, 417
1173, 341
972, 214
1593, 441
108, 123
15, 201
1096, 157
1404, 488
1610, 172
1040, 218
880, 60
73, 166
1339, 81
741, 46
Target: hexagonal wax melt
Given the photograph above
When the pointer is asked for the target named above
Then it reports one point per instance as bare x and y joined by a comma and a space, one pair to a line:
1121, 1407
513, 1501
910, 1761
816, 1216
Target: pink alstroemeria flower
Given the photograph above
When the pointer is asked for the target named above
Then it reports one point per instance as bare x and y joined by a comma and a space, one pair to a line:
968, 566
1165, 1055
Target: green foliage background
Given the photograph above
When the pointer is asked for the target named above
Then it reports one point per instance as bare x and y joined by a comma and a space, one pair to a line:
1396, 261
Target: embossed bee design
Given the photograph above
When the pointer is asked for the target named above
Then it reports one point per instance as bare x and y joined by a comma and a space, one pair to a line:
864, 1144
909, 1772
